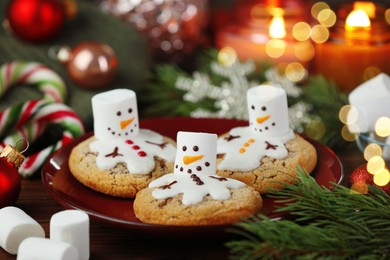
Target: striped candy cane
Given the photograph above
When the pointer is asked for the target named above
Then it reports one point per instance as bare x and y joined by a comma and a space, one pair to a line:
29, 120
31, 73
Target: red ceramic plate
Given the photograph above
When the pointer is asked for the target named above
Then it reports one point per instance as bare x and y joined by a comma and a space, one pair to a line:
70, 193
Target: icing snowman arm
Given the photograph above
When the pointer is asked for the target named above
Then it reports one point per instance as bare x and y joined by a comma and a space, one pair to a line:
163, 180
234, 160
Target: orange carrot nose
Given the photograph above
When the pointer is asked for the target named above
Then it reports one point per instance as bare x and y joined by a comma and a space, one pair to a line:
191, 159
262, 119
125, 123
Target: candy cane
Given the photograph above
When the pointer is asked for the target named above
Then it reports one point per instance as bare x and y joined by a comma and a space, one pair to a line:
45, 79
50, 113
28, 120
18, 115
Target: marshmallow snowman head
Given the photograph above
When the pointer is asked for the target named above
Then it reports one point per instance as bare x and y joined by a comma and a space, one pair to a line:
268, 110
196, 153
115, 114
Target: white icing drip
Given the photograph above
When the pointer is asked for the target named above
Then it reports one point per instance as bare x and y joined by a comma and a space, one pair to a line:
256, 148
146, 140
183, 183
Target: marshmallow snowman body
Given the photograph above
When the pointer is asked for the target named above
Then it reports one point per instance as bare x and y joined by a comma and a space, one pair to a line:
119, 138
195, 171
268, 111
115, 114
266, 134
196, 153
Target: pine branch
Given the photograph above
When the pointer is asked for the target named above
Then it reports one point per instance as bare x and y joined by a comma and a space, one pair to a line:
326, 100
327, 225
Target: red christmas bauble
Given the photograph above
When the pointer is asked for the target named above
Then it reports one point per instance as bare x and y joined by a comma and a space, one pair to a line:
35, 20
360, 176
9, 183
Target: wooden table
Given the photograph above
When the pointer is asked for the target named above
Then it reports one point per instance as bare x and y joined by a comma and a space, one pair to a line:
108, 242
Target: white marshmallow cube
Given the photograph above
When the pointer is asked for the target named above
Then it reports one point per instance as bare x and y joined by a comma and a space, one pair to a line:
363, 117
196, 153
268, 110
45, 249
15, 226
115, 114
373, 89
386, 149
71, 226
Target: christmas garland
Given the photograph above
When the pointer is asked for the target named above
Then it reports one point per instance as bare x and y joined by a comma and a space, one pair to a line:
328, 224
214, 90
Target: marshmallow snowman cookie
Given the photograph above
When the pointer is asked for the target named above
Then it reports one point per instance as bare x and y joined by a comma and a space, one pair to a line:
194, 194
121, 158
267, 152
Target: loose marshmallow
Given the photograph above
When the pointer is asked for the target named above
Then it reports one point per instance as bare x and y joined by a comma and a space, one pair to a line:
71, 226
46, 249
196, 153
375, 88
386, 149
115, 114
15, 226
268, 110
363, 117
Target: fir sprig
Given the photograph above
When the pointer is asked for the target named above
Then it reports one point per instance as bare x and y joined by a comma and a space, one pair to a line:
326, 101
328, 224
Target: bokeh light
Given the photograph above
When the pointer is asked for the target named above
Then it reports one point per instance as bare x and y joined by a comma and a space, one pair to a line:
357, 18
227, 56
368, 7
315, 129
387, 15
301, 31
347, 135
277, 28
382, 127
319, 33
370, 72
348, 114
275, 48
327, 18
317, 8
372, 150
382, 177
295, 72
375, 164
304, 51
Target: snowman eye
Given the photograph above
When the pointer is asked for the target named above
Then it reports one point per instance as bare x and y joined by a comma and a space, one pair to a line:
130, 110
195, 148
253, 107
184, 148
263, 108
118, 113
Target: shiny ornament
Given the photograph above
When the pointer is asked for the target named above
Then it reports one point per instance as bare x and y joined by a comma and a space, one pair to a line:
174, 28
10, 160
35, 20
360, 178
91, 65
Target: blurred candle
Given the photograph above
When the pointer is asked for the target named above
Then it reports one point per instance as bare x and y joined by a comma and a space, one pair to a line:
357, 48
263, 31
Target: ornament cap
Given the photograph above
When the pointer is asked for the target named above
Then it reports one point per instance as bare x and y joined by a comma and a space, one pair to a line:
12, 155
